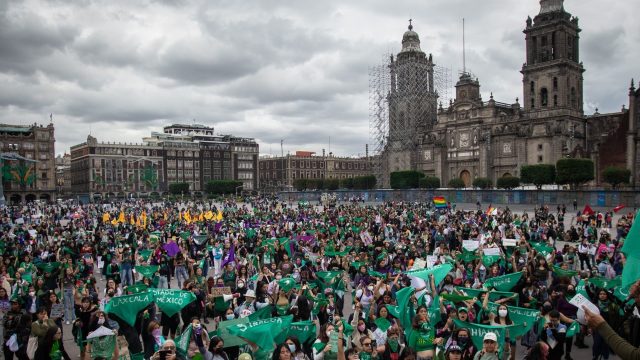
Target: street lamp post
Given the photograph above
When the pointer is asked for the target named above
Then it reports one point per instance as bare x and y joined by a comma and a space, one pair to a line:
238, 187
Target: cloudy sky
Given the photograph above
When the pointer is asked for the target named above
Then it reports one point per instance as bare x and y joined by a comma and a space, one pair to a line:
295, 70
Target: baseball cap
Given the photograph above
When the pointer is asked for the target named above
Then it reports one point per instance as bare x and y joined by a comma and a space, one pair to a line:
490, 336
250, 293
462, 308
454, 347
244, 356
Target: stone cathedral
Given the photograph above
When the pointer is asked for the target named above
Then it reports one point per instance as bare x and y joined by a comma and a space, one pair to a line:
475, 138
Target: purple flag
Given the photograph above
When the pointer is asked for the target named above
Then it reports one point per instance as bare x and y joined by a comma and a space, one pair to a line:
171, 248
231, 255
218, 226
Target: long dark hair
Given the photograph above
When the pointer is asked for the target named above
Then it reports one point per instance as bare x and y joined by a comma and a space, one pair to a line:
276, 353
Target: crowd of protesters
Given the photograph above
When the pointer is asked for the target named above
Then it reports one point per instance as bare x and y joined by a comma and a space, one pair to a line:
386, 281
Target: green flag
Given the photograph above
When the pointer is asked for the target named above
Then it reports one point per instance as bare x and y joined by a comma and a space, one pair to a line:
182, 341
261, 314
560, 272
126, 307
286, 242
286, 284
439, 272
489, 260
144, 254
456, 298
102, 346
573, 329
48, 267
304, 330
466, 256
147, 270
376, 274
524, 316
136, 288
223, 332
580, 288
171, 301
602, 282
478, 331
262, 332
185, 235
631, 251
542, 248
504, 282
401, 310
200, 239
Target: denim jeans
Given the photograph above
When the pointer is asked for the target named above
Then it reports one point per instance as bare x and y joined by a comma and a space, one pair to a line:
181, 275
69, 310
162, 282
127, 275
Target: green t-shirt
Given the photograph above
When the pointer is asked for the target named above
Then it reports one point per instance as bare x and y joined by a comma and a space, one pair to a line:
422, 339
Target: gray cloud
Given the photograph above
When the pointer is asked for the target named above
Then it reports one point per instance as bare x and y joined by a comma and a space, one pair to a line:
267, 69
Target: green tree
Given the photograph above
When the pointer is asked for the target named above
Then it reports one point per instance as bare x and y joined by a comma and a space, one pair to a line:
405, 179
508, 182
179, 188
456, 183
574, 171
300, 184
616, 176
482, 183
364, 182
347, 183
430, 182
331, 184
538, 175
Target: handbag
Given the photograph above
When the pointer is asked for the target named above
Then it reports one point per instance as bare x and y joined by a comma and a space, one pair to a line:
12, 343
32, 346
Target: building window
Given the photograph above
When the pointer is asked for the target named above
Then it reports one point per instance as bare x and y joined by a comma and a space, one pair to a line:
555, 84
533, 103
574, 99
533, 87
539, 158
555, 100
544, 97
539, 147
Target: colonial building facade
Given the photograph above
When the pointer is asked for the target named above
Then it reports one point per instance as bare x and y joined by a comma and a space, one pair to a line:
475, 138
26, 181
181, 153
279, 173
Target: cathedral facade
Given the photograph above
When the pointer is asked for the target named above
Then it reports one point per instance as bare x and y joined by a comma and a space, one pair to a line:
470, 137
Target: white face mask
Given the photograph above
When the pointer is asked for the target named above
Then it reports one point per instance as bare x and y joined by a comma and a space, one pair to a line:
240, 285
370, 288
100, 321
230, 317
32, 293
382, 290
329, 333
278, 277
502, 313
292, 348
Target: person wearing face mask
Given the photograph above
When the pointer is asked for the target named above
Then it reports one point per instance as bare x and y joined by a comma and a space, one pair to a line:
490, 349
322, 349
85, 315
462, 338
199, 339
32, 302
293, 344
360, 330
393, 349
156, 333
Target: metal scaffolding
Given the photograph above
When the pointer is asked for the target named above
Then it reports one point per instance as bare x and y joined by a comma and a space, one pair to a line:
403, 102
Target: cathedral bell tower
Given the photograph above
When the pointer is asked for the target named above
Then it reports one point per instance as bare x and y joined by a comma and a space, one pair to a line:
552, 74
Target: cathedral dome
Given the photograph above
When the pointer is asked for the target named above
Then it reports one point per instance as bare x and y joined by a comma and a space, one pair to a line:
410, 40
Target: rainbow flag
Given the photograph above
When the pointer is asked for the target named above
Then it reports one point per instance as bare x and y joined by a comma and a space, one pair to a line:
440, 201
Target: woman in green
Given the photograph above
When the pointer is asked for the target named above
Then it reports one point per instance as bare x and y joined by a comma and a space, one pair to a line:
322, 348
422, 336
51, 346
